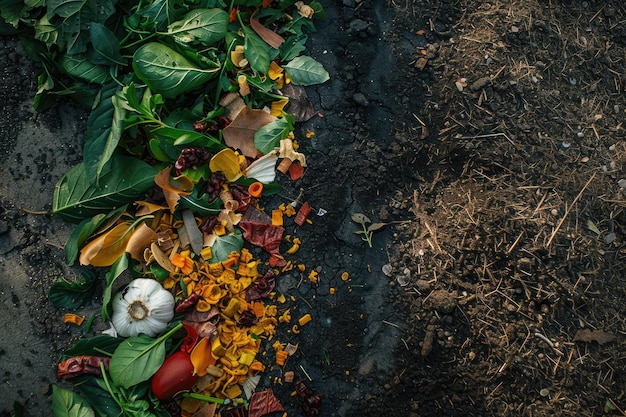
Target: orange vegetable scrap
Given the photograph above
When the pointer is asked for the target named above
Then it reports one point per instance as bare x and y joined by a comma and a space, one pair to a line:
345, 276
309, 134
285, 317
314, 276
277, 218
73, 319
304, 319
183, 261
331, 291
255, 189
281, 357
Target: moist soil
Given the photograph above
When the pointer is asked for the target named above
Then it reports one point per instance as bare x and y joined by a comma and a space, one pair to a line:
488, 138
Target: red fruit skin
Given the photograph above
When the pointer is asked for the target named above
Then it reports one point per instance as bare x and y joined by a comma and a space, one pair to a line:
174, 376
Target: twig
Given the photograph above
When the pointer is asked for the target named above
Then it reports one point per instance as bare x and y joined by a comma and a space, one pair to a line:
391, 324
306, 373
558, 226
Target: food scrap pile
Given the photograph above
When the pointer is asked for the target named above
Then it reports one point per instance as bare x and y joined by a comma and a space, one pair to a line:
193, 118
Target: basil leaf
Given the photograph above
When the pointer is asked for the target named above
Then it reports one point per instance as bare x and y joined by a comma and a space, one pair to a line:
292, 47
104, 130
73, 294
125, 180
135, 360
167, 72
304, 70
206, 26
269, 136
66, 403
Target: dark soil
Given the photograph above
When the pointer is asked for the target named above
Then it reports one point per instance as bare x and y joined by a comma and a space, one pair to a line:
489, 138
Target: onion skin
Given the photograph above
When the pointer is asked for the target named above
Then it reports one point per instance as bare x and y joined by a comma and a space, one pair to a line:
174, 376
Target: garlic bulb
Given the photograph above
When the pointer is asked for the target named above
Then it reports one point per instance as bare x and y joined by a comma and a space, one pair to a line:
143, 306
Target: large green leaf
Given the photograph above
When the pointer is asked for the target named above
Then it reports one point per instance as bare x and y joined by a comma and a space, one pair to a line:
167, 72
80, 67
206, 26
269, 136
96, 392
125, 180
224, 245
105, 46
256, 51
135, 360
104, 130
66, 403
96, 345
304, 70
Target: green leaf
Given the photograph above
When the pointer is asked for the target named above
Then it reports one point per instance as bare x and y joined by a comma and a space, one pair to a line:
224, 245
98, 396
118, 267
66, 403
93, 346
104, 130
84, 230
73, 294
292, 47
64, 8
105, 46
135, 360
256, 51
206, 26
167, 72
125, 180
201, 205
46, 32
11, 11
269, 136
80, 67
304, 70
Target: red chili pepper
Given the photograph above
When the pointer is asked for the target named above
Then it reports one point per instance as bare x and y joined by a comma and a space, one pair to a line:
189, 342
187, 303
302, 214
82, 365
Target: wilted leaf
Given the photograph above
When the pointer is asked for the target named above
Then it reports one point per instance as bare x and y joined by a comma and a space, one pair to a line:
599, 336
376, 226
74, 294
240, 133
299, 106
272, 38
227, 162
173, 188
592, 227
360, 218
140, 239
106, 248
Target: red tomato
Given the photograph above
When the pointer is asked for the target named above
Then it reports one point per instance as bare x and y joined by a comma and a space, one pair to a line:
174, 376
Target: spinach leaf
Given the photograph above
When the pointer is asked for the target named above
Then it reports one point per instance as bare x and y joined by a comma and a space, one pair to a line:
80, 67
125, 180
93, 346
66, 403
105, 46
167, 72
104, 130
114, 273
73, 294
304, 70
256, 51
269, 136
205, 26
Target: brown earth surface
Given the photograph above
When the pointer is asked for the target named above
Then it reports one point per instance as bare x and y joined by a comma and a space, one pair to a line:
487, 136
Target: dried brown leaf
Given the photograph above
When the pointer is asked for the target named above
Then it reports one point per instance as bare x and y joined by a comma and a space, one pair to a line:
106, 248
599, 336
299, 105
272, 38
360, 218
141, 238
376, 226
240, 133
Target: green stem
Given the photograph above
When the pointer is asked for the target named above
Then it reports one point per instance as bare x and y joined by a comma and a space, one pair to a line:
108, 385
206, 398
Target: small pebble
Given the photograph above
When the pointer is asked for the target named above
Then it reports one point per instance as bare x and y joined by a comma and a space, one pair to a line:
544, 392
